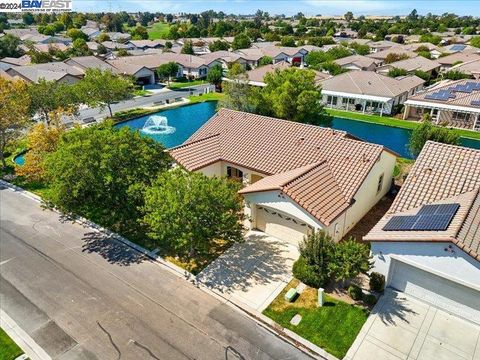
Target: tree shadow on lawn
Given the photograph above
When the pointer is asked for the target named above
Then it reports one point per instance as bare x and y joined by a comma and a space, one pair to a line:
111, 249
395, 308
260, 260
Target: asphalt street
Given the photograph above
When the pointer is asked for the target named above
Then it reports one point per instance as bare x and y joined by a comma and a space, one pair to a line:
142, 101
81, 295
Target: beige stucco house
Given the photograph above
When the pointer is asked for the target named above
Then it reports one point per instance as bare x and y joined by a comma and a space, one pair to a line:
297, 177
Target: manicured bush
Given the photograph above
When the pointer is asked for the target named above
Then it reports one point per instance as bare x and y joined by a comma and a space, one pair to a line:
369, 299
377, 282
308, 274
355, 292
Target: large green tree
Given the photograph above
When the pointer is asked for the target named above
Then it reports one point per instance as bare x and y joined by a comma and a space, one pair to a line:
14, 116
241, 41
103, 88
292, 94
215, 75
101, 172
51, 99
188, 211
168, 71
427, 131
9, 46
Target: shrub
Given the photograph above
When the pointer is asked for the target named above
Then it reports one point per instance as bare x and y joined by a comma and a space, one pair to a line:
377, 282
355, 292
308, 274
369, 299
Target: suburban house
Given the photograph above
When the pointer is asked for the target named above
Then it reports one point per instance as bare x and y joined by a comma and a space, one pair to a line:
251, 55
453, 103
90, 62
8, 62
147, 44
58, 71
411, 65
428, 244
291, 55
91, 32
256, 76
470, 68
297, 177
447, 62
368, 92
381, 56
225, 58
381, 45
357, 62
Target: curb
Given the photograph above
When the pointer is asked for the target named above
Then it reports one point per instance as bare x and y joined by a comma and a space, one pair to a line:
286, 335
22, 339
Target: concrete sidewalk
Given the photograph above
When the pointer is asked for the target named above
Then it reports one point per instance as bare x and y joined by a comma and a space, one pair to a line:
21, 338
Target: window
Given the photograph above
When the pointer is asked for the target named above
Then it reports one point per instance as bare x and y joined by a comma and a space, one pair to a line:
380, 183
234, 173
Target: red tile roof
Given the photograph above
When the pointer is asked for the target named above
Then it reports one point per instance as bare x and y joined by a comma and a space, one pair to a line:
441, 174
313, 165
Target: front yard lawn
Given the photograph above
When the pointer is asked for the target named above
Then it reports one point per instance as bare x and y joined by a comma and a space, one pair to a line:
179, 84
8, 349
332, 327
213, 96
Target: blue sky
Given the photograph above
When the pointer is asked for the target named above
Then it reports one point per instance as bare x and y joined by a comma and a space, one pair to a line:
288, 7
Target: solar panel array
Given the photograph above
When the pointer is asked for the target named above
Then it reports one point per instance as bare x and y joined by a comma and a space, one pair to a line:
475, 102
458, 47
445, 94
428, 218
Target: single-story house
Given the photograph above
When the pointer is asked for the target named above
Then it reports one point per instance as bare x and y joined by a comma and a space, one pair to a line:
257, 75
357, 62
470, 68
381, 45
368, 92
90, 62
447, 62
251, 55
434, 50
297, 177
119, 36
453, 103
411, 65
225, 58
147, 44
428, 243
463, 48
381, 56
8, 62
45, 48
112, 45
91, 32
58, 71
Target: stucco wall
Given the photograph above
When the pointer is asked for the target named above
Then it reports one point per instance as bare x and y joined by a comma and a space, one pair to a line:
367, 196
442, 259
281, 202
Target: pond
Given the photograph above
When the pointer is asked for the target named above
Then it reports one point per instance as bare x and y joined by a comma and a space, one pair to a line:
188, 119
182, 122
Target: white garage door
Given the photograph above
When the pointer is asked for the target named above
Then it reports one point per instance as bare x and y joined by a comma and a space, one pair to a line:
281, 225
438, 291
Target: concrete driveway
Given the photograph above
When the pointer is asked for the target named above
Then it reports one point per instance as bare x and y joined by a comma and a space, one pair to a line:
401, 327
252, 273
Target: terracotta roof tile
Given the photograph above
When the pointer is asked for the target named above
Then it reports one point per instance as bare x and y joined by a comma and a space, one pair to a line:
442, 174
285, 149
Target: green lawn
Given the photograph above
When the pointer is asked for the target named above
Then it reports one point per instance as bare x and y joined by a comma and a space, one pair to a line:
8, 349
185, 83
205, 97
394, 122
332, 327
158, 31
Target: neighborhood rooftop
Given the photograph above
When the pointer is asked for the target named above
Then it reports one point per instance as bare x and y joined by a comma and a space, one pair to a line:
443, 174
273, 146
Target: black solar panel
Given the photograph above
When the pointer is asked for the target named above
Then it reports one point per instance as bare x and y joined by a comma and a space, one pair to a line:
429, 218
399, 223
437, 222
475, 102
439, 209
